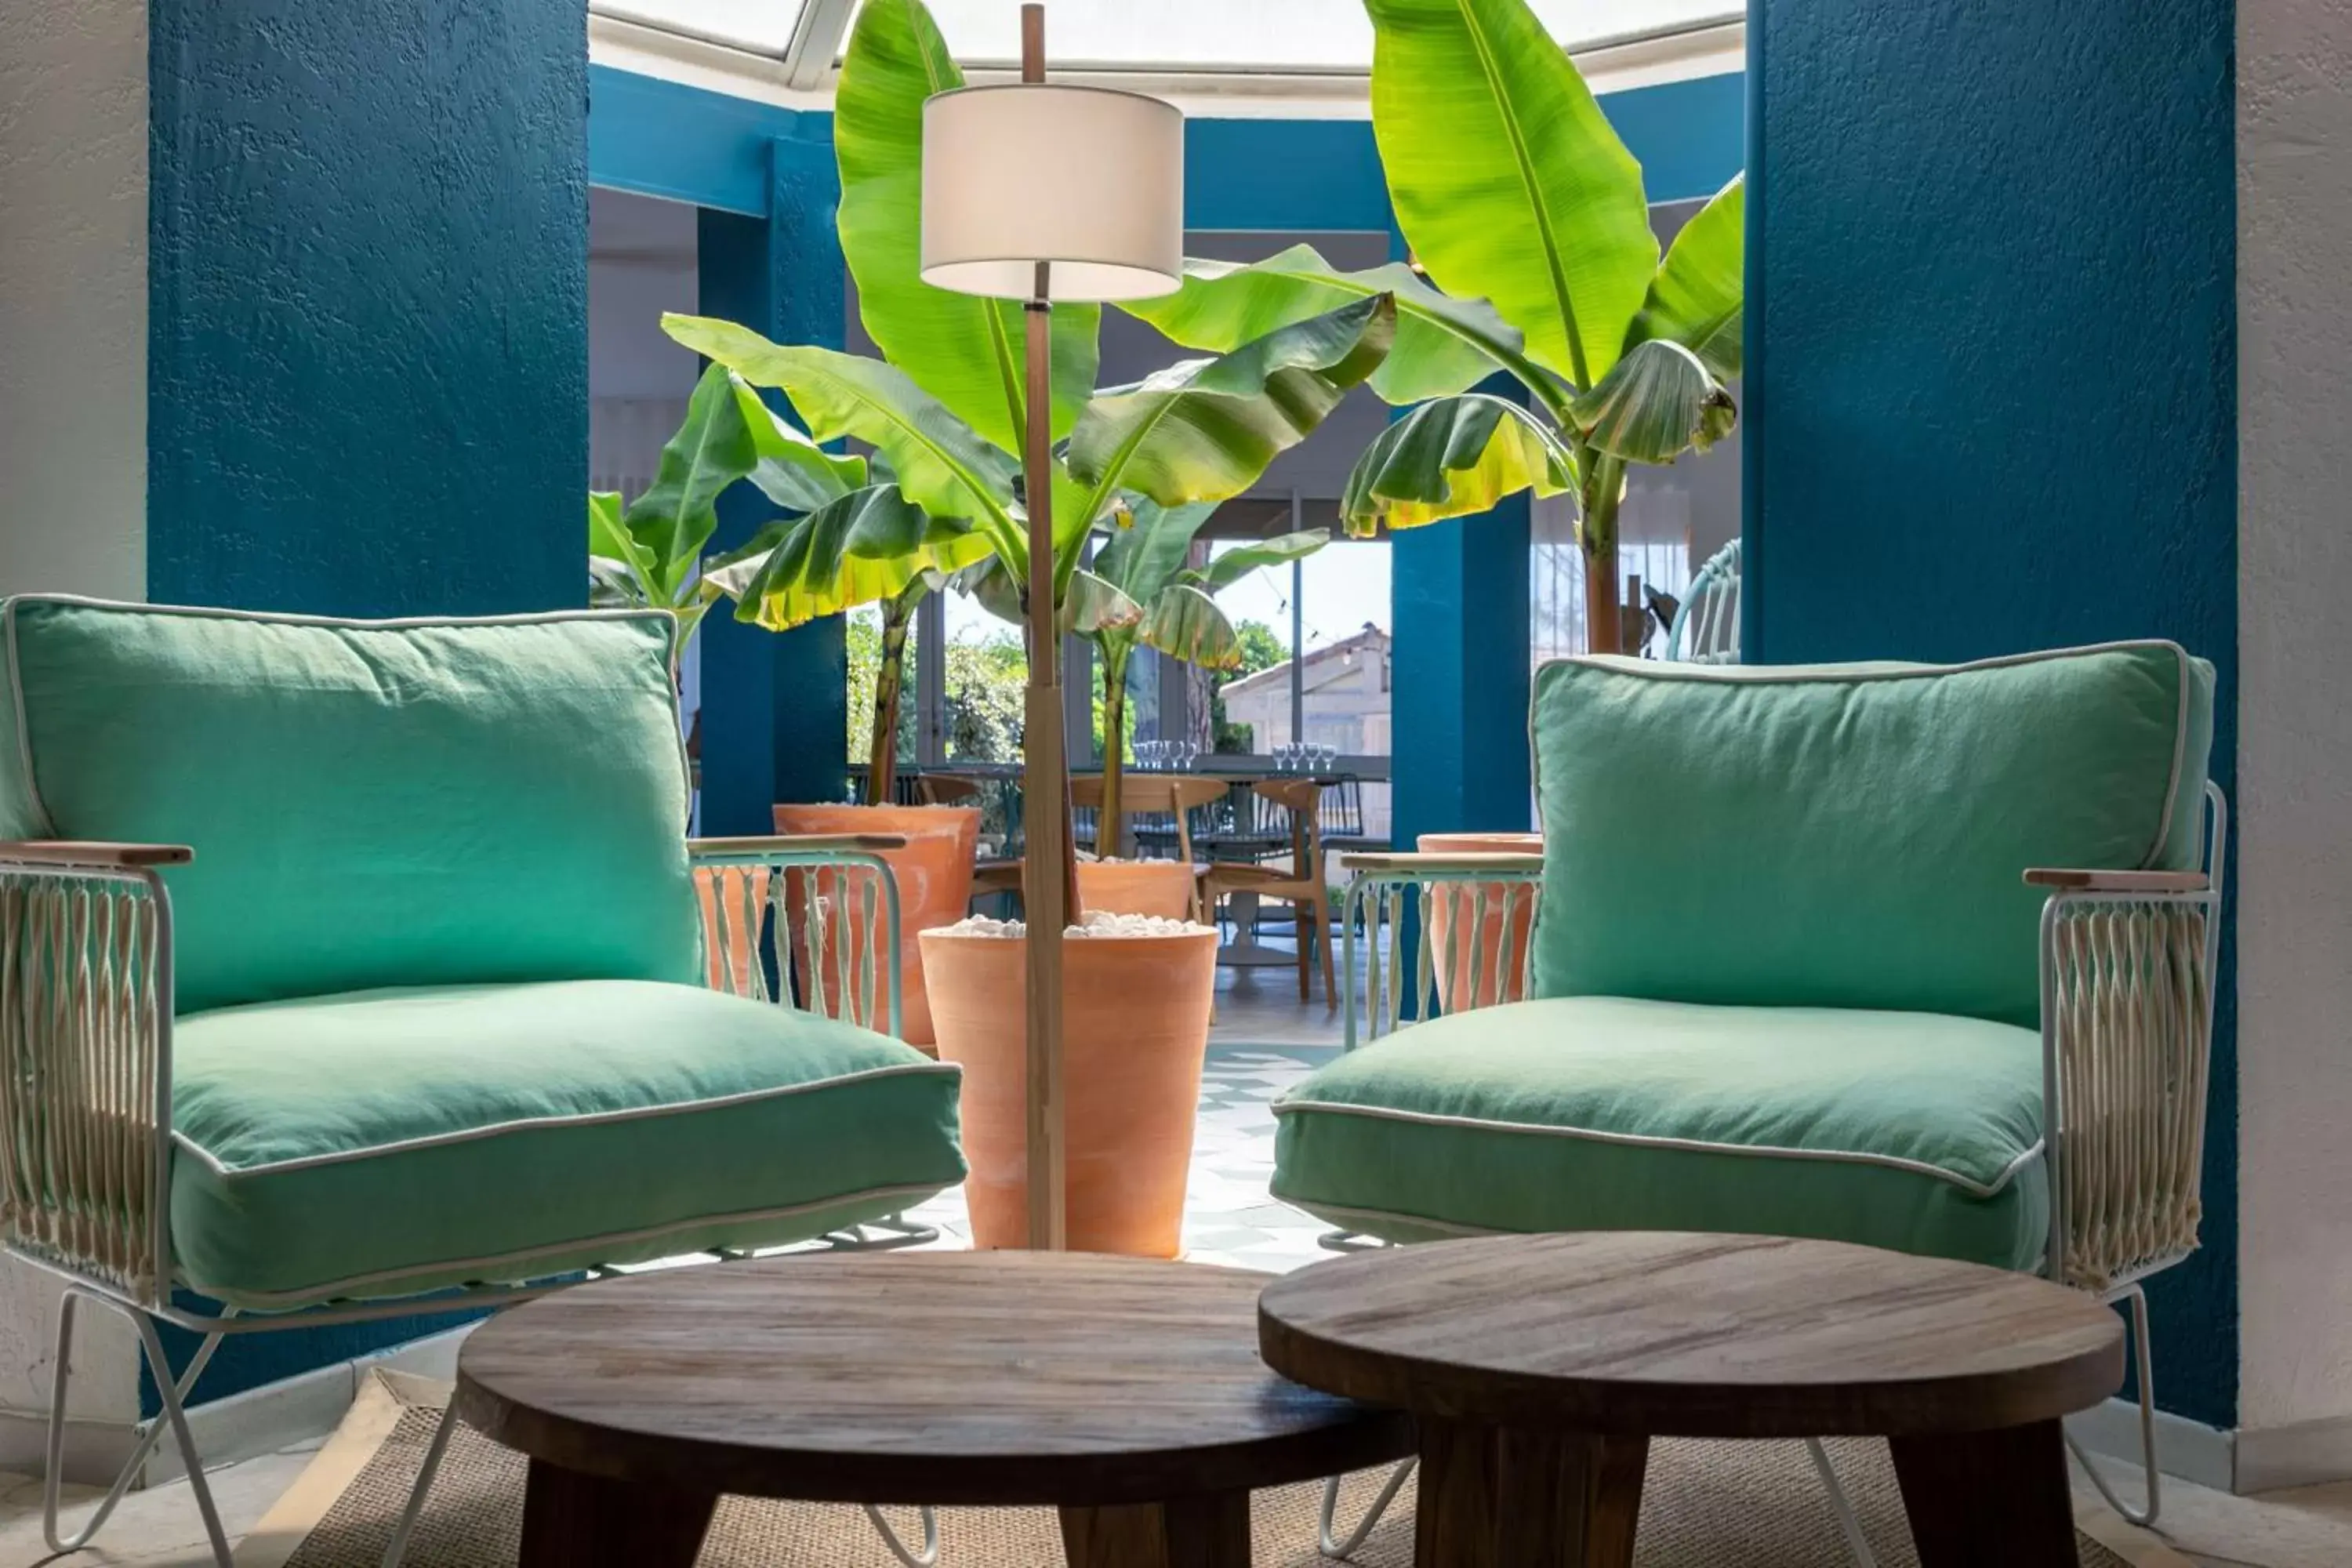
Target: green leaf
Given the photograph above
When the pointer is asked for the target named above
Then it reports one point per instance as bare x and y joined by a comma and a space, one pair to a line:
1453, 457
1091, 605
677, 514
942, 465
1508, 182
619, 568
1444, 345
1224, 571
963, 350
1148, 547
1184, 623
1658, 402
1696, 298
867, 545
793, 470
1205, 430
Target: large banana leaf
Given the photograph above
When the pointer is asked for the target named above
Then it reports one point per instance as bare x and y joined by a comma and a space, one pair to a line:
1183, 622
864, 546
677, 514
1091, 605
1224, 571
1444, 345
963, 350
793, 470
1205, 430
1695, 299
1148, 547
620, 570
1655, 405
1451, 457
1508, 183
941, 464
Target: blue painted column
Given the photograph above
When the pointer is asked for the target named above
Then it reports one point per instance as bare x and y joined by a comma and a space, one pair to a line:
1991, 377
367, 330
774, 705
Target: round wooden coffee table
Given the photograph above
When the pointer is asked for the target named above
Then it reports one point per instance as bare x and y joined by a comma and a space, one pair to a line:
1125, 1391
1540, 1366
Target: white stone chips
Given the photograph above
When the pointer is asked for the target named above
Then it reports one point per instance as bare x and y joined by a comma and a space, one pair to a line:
1097, 922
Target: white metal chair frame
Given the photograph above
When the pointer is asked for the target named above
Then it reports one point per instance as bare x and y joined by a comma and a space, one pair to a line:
1707, 626
86, 988
2129, 962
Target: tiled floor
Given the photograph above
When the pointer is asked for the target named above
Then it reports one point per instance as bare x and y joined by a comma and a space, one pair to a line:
1264, 1041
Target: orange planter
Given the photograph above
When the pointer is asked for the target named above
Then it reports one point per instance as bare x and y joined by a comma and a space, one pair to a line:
934, 875
1135, 1025
1163, 887
1505, 912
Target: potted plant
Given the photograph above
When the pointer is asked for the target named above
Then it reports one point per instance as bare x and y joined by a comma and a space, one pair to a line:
947, 409
1485, 128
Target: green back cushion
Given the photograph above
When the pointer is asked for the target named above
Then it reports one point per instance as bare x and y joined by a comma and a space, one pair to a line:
1849, 835
370, 804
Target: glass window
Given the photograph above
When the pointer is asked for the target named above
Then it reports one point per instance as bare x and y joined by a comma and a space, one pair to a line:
761, 26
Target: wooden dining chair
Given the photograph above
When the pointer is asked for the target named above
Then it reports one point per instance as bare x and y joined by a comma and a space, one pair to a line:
946, 789
1151, 795
1300, 884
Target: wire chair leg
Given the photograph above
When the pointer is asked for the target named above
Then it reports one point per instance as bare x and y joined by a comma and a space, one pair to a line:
1330, 1544
2144, 1365
1848, 1526
172, 1395
413, 1509
928, 1557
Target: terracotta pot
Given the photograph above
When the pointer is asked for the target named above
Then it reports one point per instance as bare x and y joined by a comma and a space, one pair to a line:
934, 875
1135, 1024
1505, 912
1163, 887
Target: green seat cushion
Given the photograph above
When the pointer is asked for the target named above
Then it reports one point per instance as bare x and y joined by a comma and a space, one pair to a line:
1849, 835
390, 1141
371, 803
1916, 1131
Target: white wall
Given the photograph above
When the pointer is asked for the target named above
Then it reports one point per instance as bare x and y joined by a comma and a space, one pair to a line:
73, 446
73, 296
2294, 752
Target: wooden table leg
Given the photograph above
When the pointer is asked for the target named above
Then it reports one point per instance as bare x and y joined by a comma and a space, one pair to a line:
1989, 1497
587, 1521
1211, 1532
1496, 1498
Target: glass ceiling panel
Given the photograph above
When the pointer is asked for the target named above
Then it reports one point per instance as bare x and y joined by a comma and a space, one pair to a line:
1261, 35
1165, 35
762, 26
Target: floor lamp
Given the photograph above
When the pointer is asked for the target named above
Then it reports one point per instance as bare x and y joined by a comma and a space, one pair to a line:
1041, 193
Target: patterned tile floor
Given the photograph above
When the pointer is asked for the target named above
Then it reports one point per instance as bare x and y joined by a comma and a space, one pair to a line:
1229, 1216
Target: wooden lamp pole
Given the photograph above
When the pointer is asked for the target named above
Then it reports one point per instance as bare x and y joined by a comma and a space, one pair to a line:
1047, 871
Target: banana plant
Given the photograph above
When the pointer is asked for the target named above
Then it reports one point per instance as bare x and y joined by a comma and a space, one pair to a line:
1148, 594
945, 408
1528, 214
649, 551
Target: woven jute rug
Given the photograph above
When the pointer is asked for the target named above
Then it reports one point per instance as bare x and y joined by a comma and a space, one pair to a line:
1705, 1505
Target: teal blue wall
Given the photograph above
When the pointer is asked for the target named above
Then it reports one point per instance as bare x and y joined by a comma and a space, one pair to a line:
1461, 611
367, 355
1990, 382
367, 359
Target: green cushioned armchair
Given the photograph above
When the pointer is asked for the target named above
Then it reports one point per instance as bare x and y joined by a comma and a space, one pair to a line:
1915, 957
358, 969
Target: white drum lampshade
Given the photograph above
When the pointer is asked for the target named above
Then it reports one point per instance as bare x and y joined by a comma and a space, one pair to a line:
1086, 179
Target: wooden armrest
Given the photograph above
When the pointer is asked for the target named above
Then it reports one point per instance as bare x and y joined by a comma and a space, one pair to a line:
1441, 861
2118, 881
797, 844
92, 852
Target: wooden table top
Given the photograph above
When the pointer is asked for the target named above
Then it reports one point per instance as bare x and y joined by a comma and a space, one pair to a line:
1699, 1336
937, 1377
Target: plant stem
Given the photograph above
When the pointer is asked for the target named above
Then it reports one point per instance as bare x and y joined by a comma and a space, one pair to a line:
889, 678
1602, 487
1106, 819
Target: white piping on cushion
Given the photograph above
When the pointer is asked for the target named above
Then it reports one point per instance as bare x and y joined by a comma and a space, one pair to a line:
1686, 1145
390, 622
525, 1123
1891, 669
477, 1269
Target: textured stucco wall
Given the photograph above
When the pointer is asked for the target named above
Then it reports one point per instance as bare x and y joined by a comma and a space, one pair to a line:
368, 346
1991, 382
2294, 766
73, 296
